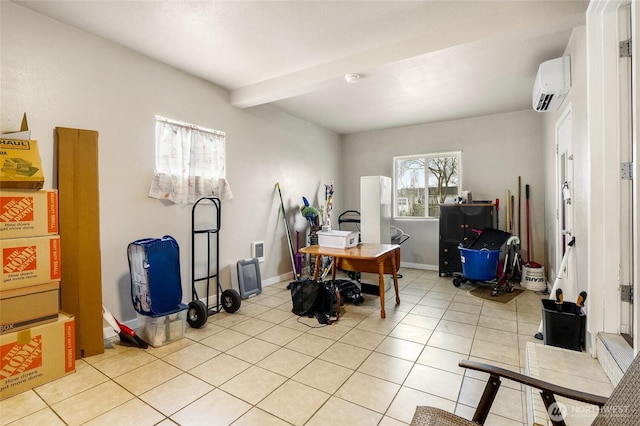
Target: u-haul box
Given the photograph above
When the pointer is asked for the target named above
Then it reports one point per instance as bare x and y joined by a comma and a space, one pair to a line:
29, 261
20, 165
28, 213
37, 355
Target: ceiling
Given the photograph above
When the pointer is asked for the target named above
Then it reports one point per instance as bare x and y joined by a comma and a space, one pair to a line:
419, 61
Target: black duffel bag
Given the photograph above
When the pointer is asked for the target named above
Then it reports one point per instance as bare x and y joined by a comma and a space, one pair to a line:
304, 295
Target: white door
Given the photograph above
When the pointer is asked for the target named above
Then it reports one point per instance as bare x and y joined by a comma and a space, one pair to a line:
564, 190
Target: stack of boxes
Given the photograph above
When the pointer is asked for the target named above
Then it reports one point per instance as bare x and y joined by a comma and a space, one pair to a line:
37, 342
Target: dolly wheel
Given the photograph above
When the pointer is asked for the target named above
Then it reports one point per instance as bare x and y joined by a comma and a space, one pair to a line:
231, 300
456, 281
197, 314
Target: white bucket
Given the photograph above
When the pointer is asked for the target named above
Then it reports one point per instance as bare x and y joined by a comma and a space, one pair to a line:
533, 278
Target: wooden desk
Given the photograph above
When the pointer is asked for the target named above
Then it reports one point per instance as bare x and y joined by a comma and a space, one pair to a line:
372, 258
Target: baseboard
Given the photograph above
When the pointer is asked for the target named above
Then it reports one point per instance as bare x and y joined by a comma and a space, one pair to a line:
422, 266
277, 279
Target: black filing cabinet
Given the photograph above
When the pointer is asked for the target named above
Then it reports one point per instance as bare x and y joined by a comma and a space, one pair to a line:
457, 222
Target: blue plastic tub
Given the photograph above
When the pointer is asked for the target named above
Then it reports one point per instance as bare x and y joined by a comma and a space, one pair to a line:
479, 265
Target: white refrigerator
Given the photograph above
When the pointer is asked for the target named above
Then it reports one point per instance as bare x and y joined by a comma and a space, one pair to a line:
375, 209
375, 217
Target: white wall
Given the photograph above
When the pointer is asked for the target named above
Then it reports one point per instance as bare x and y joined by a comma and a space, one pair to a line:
496, 149
64, 77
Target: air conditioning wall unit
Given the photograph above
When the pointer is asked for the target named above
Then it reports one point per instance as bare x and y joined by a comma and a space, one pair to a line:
552, 84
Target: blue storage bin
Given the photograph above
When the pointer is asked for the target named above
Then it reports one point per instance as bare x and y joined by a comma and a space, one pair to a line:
479, 265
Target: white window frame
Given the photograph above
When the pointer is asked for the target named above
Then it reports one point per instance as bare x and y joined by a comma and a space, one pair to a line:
426, 158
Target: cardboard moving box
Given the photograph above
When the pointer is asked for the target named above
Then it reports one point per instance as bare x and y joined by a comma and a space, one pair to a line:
28, 213
37, 355
29, 261
20, 165
26, 307
81, 291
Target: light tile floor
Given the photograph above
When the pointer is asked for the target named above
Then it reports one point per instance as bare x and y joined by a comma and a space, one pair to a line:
265, 366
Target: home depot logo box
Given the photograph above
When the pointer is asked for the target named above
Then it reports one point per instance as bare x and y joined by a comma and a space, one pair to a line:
35, 356
29, 261
28, 213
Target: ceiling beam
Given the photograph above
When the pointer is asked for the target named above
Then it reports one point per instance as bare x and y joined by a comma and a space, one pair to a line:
515, 19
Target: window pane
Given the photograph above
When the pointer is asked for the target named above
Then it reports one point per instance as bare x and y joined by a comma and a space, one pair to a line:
443, 182
190, 162
423, 182
410, 178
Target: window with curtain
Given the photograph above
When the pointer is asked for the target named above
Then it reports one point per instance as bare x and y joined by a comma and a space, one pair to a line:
190, 163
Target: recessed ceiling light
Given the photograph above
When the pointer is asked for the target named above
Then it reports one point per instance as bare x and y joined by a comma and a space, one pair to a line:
352, 78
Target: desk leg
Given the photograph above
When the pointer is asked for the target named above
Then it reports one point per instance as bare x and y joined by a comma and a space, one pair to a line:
334, 268
316, 268
394, 267
381, 285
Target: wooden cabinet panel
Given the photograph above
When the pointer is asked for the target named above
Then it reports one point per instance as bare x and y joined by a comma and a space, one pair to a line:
457, 225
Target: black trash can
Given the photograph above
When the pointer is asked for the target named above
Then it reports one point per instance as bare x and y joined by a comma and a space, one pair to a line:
563, 324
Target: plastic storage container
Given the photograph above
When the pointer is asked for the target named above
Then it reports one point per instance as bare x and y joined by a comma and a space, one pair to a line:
479, 265
163, 329
337, 239
563, 324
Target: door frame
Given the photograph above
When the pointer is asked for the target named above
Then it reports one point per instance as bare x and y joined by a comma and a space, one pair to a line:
627, 193
603, 104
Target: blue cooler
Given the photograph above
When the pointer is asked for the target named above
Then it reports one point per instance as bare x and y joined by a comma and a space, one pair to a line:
479, 265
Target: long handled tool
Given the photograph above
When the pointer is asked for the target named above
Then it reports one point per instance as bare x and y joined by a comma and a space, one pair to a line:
512, 226
125, 333
296, 273
528, 223
519, 206
581, 299
556, 284
507, 220
559, 299
299, 255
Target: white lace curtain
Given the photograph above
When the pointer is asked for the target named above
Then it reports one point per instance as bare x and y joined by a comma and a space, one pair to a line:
190, 163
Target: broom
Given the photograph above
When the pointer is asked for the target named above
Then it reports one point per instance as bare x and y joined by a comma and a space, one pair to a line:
125, 333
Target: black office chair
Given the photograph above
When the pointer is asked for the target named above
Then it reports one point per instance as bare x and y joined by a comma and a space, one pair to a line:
349, 216
353, 216
398, 237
